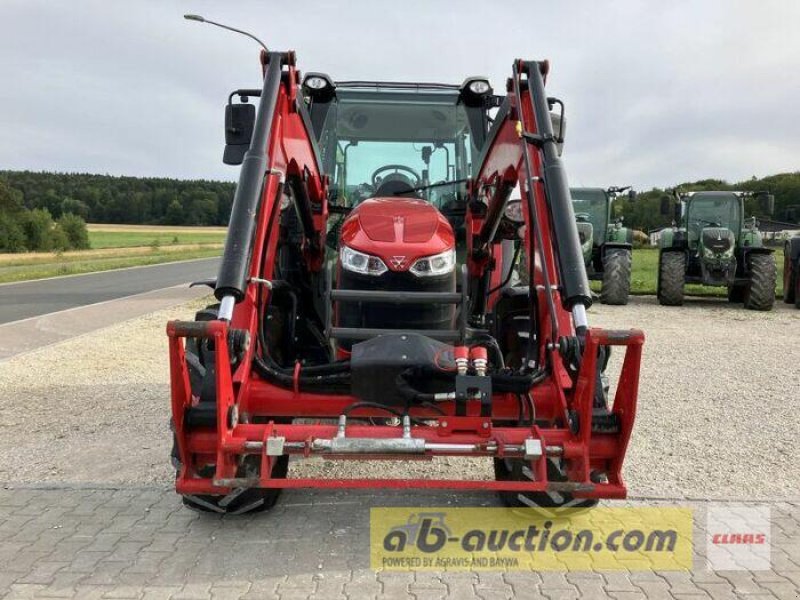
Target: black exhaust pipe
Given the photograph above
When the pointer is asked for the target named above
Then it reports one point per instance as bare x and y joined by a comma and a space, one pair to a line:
575, 283
232, 277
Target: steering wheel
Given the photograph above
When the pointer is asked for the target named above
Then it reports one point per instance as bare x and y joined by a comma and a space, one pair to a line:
396, 168
583, 217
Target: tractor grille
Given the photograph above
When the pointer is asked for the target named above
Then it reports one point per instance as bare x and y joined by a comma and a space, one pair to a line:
385, 315
717, 239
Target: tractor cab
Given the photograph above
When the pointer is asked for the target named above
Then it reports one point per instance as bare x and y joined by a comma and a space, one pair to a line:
398, 157
399, 141
606, 244
592, 211
711, 216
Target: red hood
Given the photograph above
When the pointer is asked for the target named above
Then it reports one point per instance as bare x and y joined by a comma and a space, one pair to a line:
398, 230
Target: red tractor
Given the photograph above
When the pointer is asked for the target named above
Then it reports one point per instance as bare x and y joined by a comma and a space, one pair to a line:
367, 306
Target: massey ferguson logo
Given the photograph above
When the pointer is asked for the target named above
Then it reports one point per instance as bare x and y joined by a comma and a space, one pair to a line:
398, 262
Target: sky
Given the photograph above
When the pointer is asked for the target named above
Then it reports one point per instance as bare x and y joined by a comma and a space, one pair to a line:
656, 93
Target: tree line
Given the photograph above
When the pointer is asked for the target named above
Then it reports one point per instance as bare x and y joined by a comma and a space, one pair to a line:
57, 202
124, 200
644, 213
29, 230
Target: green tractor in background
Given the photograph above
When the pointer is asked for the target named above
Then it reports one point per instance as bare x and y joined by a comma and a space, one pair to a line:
715, 245
607, 244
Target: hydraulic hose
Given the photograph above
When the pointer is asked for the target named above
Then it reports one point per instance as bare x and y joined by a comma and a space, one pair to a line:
337, 383
501, 382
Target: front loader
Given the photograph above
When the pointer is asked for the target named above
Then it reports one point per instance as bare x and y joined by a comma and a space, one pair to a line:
606, 243
365, 308
712, 244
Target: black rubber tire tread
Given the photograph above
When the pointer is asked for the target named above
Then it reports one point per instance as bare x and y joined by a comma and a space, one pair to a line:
760, 291
797, 285
250, 501
789, 278
671, 276
511, 470
736, 293
616, 286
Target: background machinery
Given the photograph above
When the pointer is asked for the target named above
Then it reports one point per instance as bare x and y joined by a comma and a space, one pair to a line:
713, 244
607, 245
791, 271
364, 307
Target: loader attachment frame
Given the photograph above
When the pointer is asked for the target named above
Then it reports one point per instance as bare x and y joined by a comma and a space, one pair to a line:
471, 435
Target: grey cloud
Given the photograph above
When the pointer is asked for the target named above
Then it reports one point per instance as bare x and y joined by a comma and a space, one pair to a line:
656, 93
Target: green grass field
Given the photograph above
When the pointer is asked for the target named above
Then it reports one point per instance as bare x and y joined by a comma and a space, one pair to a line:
56, 266
133, 236
645, 271
116, 247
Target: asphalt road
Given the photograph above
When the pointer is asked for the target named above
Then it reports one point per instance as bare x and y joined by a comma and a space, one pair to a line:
33, 298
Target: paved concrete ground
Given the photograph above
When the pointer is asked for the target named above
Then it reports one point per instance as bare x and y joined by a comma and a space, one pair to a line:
28, 299
96, 542
98, 517
19, 337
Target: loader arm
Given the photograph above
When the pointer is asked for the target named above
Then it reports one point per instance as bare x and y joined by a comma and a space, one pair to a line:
522, 151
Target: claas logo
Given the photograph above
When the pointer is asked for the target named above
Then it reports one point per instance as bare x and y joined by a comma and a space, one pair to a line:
739, 538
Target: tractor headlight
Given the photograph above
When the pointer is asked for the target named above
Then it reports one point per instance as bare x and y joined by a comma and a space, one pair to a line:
358, 262
439, 264
316, 83
479, 87
513, 211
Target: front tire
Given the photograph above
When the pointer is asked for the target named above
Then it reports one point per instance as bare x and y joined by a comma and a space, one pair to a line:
797, 285
760, 291
517, 469
240, 500
616, 286
736, 293
671, 275
790, 282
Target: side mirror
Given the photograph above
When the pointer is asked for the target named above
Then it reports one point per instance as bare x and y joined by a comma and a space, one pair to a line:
767, 204
631, 195
426, 154
665, 206
239, 122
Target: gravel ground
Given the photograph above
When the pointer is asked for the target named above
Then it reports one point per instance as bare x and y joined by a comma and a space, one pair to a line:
717, 407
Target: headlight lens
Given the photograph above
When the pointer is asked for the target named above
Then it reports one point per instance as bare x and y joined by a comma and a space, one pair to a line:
358, 262
513, 211
439, 264
315, 83
479, 87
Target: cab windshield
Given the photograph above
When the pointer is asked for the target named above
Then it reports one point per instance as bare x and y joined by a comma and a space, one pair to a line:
719, 210
397, 142
591, 206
